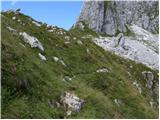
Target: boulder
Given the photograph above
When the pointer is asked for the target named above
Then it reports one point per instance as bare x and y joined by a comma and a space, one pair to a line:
119, 40
31, 40
71, 103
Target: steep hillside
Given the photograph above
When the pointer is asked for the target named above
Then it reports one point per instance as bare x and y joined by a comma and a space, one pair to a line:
41, 62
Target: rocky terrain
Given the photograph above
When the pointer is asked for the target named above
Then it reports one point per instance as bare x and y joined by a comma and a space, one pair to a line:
49, 72
142, 47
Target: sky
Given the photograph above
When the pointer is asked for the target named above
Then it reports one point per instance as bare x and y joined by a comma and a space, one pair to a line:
60, 13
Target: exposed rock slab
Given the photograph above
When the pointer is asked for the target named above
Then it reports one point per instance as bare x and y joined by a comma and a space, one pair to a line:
133, 48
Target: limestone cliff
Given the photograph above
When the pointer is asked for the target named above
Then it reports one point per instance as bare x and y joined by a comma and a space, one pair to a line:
112, 17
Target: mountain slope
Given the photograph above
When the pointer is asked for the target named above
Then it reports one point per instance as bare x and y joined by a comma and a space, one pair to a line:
111, 87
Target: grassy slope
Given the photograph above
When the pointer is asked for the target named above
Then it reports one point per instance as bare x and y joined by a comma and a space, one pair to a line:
44, 78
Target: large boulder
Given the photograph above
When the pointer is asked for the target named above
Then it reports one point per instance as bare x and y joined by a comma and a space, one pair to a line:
31, 40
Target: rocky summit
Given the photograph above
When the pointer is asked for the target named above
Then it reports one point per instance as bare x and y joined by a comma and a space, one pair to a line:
104, 67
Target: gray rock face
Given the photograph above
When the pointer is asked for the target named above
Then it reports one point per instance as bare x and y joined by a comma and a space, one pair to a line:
112, 17
151, 83
92, 14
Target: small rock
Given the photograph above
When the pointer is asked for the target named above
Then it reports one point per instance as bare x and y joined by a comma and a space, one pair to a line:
88, 51
62, 62
151, 104
117, 102
137, 86
79, 42
13, 18
67, 37
42, 57
66, 42
67, 78
55, 59
102, 70
18, 20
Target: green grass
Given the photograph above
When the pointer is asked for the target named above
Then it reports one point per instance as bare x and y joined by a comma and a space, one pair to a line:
44, 78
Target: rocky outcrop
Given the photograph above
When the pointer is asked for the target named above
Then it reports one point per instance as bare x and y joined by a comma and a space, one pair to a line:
112, 17
152, 85
140, 50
